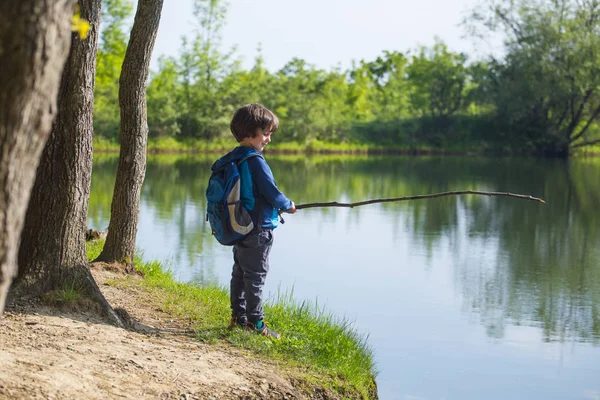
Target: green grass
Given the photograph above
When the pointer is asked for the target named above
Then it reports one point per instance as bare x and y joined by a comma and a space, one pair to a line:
319, 146
588, 151
314, 146
93, 248
170, 145
68, 294
337, 356
102, 144
312, 336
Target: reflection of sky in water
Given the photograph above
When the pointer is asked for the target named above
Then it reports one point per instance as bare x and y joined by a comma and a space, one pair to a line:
451, 312
163, 239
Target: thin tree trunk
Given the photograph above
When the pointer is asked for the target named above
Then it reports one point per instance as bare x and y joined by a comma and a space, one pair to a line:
589, 122
52, 253
125, 207
576, 115
34, 43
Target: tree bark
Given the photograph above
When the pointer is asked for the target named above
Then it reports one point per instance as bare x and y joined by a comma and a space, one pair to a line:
125, 207
34, 43
52, 253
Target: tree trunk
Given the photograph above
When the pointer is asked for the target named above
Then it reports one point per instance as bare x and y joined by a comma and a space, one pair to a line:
34, 43
52, 253
125, 207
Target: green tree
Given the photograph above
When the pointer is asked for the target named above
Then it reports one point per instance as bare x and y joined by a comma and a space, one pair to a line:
296, 89
203, 68
437, 79
254, 86
391, 94
163, 94
125, 206
547, 90
360, 92
111, 52
332, 112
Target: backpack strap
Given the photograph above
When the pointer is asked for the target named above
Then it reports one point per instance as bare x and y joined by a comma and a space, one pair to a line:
241, 160
259, 201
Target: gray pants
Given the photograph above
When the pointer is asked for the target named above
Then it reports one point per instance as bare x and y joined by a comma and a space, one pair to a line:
250, 267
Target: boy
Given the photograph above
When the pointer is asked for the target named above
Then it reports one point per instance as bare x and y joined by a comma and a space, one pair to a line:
252, 126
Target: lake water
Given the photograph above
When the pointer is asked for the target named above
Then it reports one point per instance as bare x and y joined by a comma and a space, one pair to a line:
463, 297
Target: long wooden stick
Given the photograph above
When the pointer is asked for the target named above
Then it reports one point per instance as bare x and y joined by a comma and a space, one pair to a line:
418, 197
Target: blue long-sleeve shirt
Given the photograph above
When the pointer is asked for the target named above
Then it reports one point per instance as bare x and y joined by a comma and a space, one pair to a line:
259, 190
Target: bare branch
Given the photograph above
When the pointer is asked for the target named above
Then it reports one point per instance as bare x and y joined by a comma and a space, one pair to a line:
417, 197
576, 116
587, 125
513, 25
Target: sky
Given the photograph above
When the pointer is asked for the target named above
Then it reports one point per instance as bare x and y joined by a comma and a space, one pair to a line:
326, 33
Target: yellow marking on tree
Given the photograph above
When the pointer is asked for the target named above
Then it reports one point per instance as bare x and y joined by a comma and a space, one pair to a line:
79, 24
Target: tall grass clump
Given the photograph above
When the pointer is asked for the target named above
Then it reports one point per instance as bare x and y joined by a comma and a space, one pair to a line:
313, 336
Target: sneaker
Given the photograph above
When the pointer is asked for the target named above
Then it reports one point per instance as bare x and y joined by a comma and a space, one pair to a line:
237, 322
262, 328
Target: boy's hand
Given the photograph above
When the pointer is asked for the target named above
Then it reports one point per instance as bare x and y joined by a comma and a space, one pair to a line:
291, 210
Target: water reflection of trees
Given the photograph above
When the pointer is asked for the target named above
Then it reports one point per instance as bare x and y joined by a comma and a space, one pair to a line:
174, 191
545, 266
104, 173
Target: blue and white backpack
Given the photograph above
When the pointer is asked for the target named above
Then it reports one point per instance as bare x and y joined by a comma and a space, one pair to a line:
228, 218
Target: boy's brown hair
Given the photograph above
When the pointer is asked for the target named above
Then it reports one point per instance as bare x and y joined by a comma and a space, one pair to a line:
247, 119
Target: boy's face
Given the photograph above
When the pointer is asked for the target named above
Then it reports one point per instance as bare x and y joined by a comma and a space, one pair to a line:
258, 142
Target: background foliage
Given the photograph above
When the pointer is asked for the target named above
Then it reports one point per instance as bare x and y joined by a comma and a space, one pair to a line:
542, 97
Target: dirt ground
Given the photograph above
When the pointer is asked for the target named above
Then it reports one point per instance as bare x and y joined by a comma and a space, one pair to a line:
48, 354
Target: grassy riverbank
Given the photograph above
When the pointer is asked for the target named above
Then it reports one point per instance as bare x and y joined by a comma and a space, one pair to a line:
480, 146
338, 357
171, 145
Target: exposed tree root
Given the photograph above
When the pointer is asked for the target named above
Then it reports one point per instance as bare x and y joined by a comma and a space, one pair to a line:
74, 287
